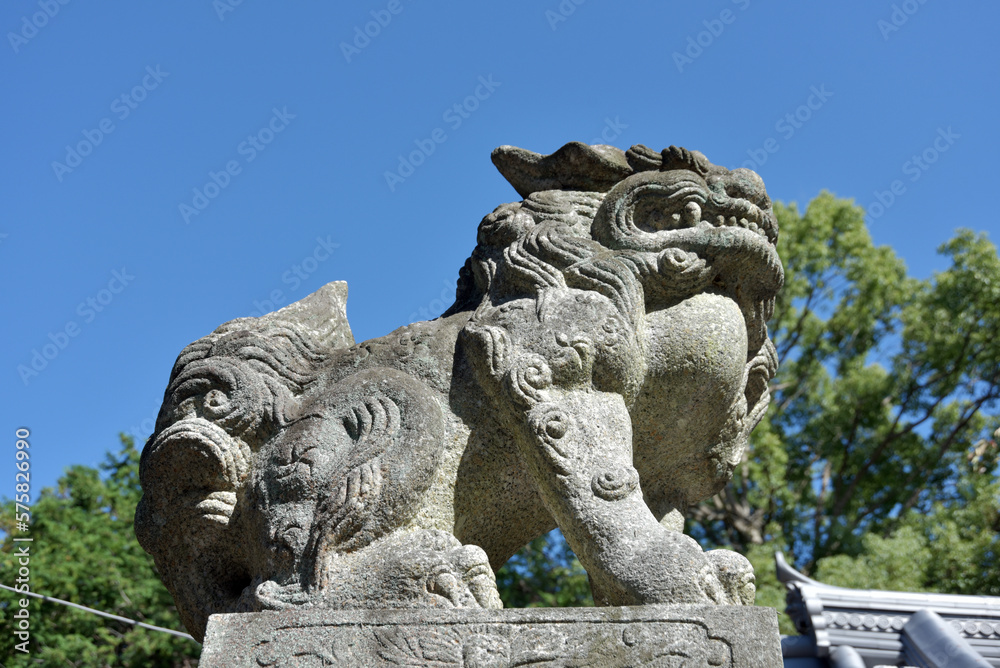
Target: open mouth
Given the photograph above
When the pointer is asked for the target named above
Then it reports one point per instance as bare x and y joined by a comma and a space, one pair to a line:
695, 212
736, 236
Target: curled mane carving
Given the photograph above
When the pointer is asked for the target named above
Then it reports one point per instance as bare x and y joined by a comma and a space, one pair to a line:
644, 241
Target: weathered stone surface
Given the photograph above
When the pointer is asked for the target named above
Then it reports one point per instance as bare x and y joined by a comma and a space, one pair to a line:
664, 636
601, 369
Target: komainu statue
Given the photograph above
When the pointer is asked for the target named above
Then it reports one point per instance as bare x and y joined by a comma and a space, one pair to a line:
602, 366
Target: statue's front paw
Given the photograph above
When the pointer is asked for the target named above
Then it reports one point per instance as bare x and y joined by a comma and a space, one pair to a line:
735, 577
412, 569
407, 569
269, 595
442, 571
478, 577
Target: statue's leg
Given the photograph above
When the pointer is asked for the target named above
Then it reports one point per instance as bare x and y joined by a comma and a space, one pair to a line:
578, 445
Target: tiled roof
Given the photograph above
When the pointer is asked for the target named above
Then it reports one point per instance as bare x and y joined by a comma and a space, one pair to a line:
884, 627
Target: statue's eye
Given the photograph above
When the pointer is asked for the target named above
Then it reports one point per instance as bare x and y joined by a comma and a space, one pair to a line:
555, 427
552, 425
216, 403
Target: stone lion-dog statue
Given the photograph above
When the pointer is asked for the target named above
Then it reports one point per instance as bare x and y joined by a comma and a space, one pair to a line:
601, 369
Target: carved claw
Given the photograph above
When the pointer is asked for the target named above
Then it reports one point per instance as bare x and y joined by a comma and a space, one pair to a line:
452, 574
414, 569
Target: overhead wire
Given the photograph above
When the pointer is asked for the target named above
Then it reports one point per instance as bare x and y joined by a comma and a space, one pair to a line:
99, 612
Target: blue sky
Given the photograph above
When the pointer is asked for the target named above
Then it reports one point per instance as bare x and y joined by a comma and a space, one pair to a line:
171, 166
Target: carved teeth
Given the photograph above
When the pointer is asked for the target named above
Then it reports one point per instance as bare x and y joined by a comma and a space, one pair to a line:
752, 223
692, 213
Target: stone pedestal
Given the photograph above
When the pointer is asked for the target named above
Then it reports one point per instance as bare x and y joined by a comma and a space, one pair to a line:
665, 636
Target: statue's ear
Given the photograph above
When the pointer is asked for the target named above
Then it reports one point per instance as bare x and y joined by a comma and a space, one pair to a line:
320, 318
323, 314
575, 166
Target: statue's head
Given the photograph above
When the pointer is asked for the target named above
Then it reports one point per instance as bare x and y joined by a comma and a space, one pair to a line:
230, 394
650, 274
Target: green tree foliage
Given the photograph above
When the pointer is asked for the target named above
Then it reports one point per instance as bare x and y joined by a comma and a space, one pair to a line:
84, 550
878, 438
954, 548
545, 573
